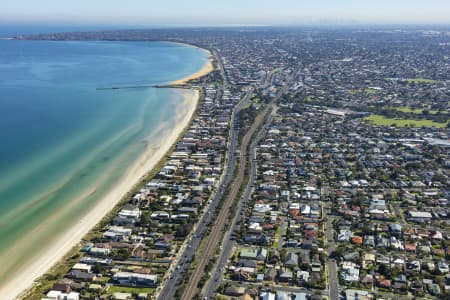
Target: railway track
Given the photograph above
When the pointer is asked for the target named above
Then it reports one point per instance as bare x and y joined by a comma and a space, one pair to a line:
215, 237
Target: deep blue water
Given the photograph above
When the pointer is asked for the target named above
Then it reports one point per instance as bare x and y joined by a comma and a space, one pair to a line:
59, 134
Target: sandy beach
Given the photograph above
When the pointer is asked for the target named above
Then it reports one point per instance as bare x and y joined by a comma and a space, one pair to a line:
67, 240
207, 68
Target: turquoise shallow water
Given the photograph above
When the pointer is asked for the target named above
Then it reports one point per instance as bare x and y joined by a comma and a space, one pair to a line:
60, 136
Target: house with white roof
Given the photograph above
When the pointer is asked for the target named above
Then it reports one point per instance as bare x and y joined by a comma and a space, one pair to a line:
350, 271
58, 295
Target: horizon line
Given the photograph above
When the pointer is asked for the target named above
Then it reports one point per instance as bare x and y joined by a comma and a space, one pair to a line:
205, 25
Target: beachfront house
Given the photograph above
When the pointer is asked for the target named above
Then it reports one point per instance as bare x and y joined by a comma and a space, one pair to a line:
58, 295
135, 279
117, 233
129, 215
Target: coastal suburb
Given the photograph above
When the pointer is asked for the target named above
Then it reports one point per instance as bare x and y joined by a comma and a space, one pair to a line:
227, 162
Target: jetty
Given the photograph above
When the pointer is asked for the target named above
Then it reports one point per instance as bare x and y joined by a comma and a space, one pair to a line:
158, 86
125, 87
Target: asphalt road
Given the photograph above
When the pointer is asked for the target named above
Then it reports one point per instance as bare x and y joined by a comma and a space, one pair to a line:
228, 244
221, 68
332, 267
398, 214
217, 228
188, 253
333, 281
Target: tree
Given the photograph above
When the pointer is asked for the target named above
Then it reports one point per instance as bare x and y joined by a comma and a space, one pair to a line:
384, 270
98, 268
183, 230
123, 254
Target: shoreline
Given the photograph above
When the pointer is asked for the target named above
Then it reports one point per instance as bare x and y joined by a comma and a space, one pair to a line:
20, 285
24, 280
207, 68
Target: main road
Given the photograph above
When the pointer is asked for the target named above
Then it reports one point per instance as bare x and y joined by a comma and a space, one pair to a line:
332, 267
228, 244
187, 254
215, 237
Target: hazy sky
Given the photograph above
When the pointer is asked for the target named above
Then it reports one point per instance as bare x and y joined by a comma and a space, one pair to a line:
210, 12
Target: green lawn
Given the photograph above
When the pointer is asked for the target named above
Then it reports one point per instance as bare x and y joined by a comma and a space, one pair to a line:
308, 99
277, 235
383, 121
254, 100
122, 289
420, 80
103, 279
370, 91
417, 111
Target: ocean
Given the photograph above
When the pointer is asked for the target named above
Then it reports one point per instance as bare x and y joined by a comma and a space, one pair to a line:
63, 141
